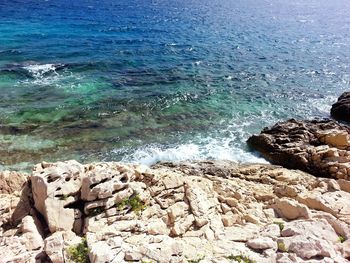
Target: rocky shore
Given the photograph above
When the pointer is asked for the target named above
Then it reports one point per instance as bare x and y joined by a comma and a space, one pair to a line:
204, 211
188, 212
319, 147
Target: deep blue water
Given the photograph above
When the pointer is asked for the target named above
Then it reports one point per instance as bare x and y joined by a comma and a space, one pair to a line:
162, 80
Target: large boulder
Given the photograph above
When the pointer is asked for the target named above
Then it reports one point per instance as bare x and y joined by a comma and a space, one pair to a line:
320, 147
341, 109
55, 187
30, 231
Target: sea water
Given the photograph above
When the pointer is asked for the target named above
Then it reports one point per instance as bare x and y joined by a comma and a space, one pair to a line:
153, 80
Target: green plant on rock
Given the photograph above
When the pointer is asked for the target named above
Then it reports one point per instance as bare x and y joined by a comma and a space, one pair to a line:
63, 197
195, 260
241, 259
282, 247
280, 225
96, 211
134, 202
341, 238
79, 253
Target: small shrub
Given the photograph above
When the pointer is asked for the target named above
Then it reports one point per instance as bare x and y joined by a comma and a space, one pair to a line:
195, 260
280, 225
80, 252
341, 239
241, 259
282, 247
134, 203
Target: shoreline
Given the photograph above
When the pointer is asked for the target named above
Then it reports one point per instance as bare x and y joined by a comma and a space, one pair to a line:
188, 211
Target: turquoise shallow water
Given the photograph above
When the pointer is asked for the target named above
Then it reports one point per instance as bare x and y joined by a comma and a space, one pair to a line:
143, 81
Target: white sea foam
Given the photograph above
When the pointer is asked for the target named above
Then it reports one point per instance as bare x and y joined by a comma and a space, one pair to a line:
42, 74
48, 74
38, 71
322, 105
152, 154
227, 143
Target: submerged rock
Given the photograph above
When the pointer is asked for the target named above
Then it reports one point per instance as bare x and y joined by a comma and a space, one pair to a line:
320, 147
341, 109
209, 210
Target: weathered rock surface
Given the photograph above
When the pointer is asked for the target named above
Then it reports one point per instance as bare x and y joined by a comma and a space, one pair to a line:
11, 182
178, 213
54, 188
320, 147
341, 109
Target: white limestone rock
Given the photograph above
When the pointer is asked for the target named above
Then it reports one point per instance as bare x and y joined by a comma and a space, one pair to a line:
54, 187
262, 243
291, 209
33, 239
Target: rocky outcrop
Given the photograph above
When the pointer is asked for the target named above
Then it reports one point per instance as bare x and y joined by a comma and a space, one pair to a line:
341, 109
209, 211
320, 147
21, 234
